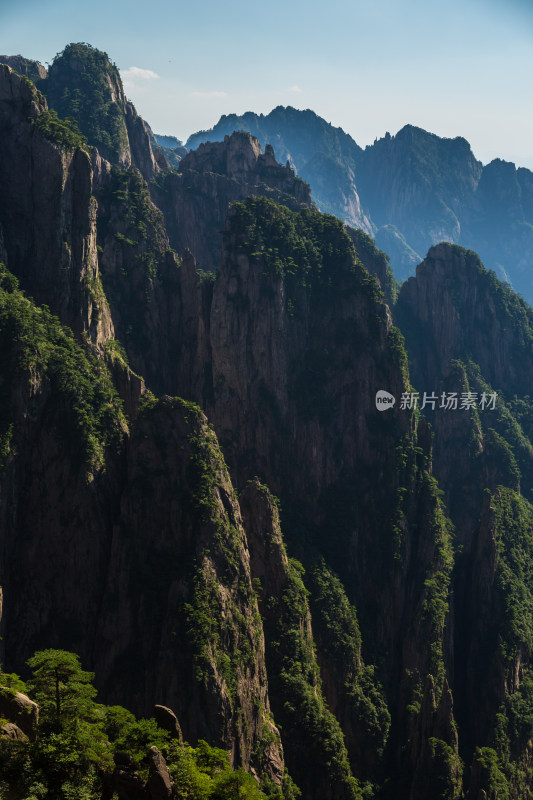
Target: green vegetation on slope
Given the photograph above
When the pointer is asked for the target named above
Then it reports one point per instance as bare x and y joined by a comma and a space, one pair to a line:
219, 618
360, 703
513, 519
312, 738
72, 758
65, 132
36, 349
312, 732
79, 88
376, 262
305, 248
131, 230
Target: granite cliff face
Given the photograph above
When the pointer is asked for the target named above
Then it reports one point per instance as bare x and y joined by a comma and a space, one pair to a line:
84, 85
140, 276
467, 332
194, 592
70, 460
24, 66
432, 189
48, 213
199, 605
195, 201
161, 305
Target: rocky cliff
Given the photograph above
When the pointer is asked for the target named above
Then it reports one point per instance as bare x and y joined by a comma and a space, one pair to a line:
48, 212
194, 592
195, 201
420, 183
83, 84
33, 70
468, 333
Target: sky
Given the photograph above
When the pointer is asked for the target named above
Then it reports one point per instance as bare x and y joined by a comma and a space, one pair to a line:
455, 68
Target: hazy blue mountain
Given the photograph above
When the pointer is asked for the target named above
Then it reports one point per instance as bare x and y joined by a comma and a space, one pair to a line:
313, 146
410, 191
405, 259
168, 141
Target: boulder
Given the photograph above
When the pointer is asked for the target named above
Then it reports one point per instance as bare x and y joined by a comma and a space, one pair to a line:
159, 781
19, 709
168, 721
127, 784
12, 731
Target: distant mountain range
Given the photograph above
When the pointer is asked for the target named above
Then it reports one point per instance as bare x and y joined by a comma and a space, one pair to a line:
409, 191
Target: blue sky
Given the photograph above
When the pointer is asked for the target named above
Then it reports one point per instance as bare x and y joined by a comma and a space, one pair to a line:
459, 68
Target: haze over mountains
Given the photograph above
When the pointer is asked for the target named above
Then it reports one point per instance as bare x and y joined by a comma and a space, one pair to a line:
409, 191
198, 494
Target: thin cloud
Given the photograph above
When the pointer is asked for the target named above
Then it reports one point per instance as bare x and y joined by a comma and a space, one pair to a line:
136, 73
208, 94
294, 89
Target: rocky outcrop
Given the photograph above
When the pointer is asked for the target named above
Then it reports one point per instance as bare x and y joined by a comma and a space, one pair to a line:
21, 711
33, 70
274, 363
279, 349
195, 201
400, 179
161, 308
194, 587
411, 190
466, 331
159, 785
159, 304
125, 781
168, 721
13, 732
140, 146
484, 679
296, 691
140, 275
460, 306
130, 386
240, 157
